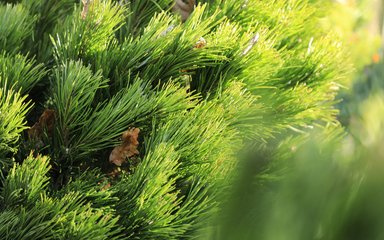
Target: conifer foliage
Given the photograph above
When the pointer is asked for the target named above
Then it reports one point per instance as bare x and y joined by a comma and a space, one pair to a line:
118, 120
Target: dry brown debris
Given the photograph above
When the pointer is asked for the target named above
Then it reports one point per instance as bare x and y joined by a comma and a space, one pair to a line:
127, 149
46, 123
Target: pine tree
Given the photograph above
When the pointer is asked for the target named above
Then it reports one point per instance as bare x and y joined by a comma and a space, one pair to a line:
121, 121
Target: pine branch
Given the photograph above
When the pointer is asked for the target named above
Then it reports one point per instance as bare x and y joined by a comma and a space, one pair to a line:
24, 184
83, 36
139, 14
30, 213
163, 43
16, 26
20, 72
148, 198
74, 90
133, 106
48, 14
12, 119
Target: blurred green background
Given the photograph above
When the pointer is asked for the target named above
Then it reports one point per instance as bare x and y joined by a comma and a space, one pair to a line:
328, 184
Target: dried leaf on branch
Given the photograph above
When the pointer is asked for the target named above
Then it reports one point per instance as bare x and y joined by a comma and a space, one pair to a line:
46, 123
184, 8
127, 149
85, 10
201, 43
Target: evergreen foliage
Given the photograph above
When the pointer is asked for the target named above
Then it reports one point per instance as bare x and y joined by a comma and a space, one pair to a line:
19, 72
330, 187
75, 75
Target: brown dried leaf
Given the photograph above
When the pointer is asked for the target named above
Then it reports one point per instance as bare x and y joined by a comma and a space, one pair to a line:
45, 122
201, 43
108, 185
104, 184
127, 149
86, 4
184, 8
